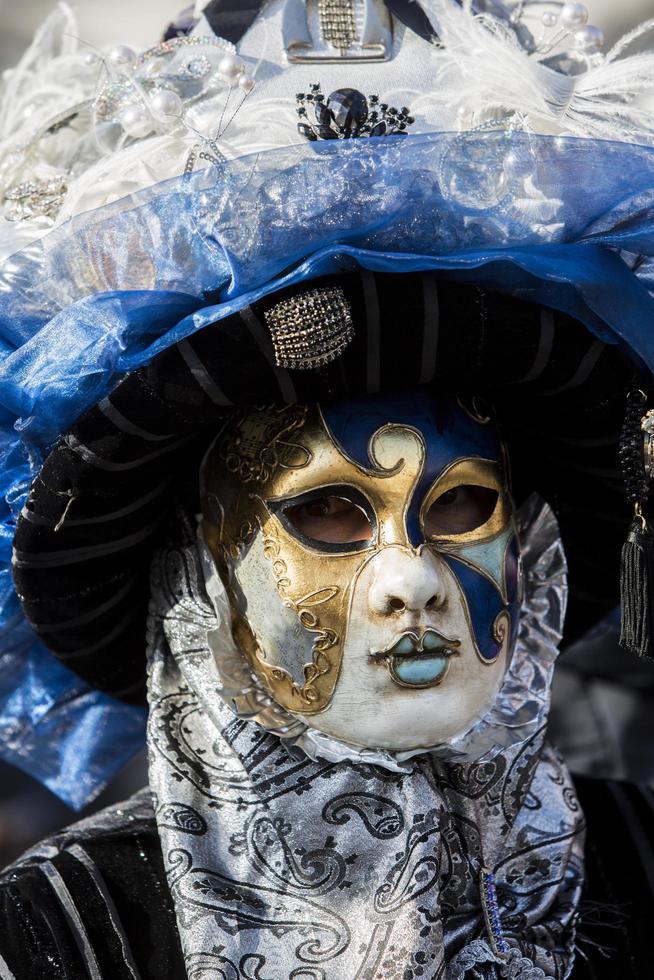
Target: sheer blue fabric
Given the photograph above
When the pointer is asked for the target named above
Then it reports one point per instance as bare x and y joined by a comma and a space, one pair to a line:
565, 222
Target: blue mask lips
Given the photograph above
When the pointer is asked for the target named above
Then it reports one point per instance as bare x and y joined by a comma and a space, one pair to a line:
418, 660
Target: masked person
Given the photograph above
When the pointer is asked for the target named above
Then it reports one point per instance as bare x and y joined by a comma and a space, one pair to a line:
310, 432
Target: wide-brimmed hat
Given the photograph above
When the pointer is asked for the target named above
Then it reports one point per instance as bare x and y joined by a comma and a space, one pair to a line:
531, 325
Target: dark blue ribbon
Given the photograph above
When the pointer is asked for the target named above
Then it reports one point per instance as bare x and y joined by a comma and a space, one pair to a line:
232, 19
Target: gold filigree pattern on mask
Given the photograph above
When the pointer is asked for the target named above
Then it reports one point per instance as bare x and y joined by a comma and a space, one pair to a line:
396, 451
476, 410
324, 638
260, 443
502, 627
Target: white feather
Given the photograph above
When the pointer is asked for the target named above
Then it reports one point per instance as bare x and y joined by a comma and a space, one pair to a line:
52, 78
47, 78
482, 69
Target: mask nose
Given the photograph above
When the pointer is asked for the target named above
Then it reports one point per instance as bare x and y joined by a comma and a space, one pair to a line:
406, 583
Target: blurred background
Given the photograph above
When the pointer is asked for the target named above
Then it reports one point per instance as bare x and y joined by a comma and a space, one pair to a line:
29, 812
140, 21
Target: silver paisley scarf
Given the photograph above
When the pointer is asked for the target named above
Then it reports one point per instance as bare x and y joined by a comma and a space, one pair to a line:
281, 866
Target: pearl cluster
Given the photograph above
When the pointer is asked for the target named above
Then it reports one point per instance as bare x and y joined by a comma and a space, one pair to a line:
566, 20
145, 94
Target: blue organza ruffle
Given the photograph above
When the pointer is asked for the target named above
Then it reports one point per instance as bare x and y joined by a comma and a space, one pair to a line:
560, 221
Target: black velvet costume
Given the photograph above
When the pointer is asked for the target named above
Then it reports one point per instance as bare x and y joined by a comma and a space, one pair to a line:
92, 901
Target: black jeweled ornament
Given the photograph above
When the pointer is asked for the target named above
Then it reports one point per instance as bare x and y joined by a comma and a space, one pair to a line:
348, 114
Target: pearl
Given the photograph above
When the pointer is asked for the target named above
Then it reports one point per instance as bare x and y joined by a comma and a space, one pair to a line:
246, 83
574, 15
198, 67
230, 68
550, 19
136, 121
91, 59
165, 102
122, 57
589, 39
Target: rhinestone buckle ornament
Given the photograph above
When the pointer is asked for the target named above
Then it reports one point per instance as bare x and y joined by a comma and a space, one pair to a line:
337, 30
311, 329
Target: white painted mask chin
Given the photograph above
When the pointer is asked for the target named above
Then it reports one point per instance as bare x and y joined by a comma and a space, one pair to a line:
369, 553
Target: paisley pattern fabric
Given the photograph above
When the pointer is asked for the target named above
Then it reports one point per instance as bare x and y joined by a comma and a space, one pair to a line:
112, 868
281, 866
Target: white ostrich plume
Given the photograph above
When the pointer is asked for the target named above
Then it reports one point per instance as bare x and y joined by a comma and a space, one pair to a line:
487, 74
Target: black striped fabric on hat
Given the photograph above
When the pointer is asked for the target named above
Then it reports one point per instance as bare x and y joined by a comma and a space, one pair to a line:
94, 514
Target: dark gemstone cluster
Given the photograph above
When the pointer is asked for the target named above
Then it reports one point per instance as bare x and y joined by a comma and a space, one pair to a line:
348, 114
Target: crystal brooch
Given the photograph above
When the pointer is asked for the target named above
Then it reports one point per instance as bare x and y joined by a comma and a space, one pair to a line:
348, 114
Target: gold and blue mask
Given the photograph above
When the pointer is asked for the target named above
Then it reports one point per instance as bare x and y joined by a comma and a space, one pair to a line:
369, 552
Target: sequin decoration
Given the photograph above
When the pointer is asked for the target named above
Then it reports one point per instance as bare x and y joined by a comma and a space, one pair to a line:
346, 114
491, 910
311, 329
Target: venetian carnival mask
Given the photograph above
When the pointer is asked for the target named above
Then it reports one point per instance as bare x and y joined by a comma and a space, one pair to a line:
369, 553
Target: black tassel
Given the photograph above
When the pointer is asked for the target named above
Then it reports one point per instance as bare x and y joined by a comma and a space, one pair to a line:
637, 589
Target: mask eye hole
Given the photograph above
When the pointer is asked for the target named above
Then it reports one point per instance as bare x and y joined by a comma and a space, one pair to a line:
329, 519
459, 510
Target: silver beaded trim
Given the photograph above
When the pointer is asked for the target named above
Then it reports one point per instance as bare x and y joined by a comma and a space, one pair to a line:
186, 41
311, 329
337, 24
36, 198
